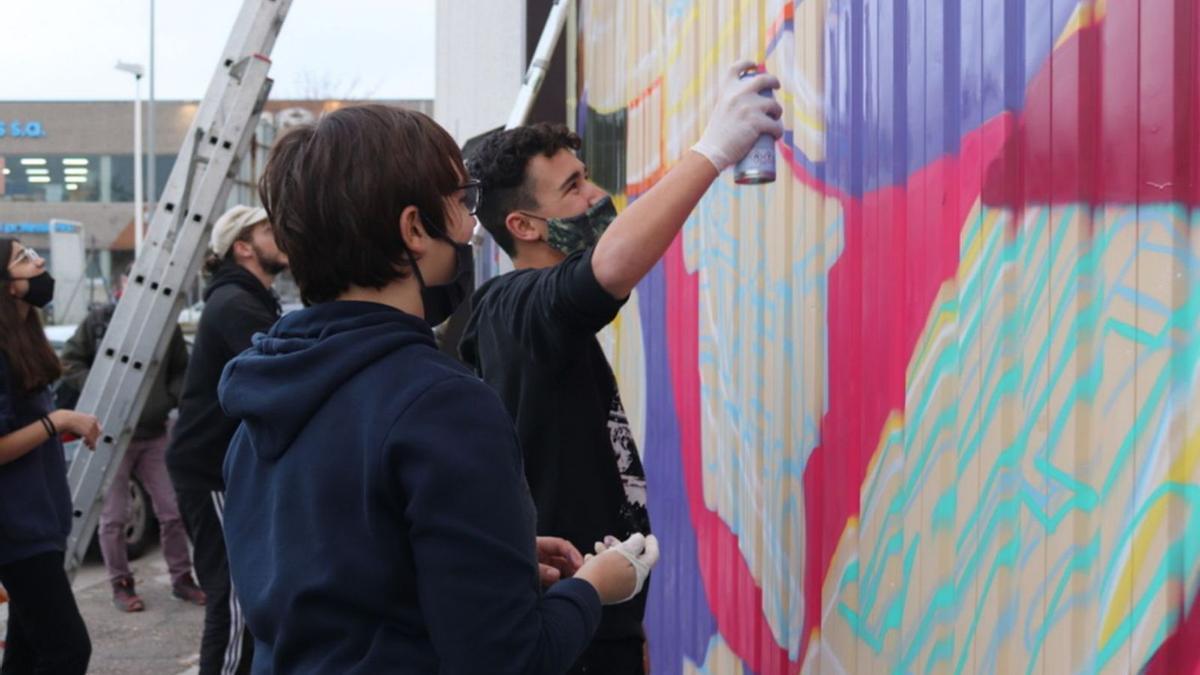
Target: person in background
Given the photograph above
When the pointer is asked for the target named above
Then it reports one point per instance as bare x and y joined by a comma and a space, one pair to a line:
46, 634
532, 332
239, 302
145, 458
376, 514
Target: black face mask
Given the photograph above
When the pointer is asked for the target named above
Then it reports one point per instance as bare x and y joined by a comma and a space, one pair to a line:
41, 290
442, 300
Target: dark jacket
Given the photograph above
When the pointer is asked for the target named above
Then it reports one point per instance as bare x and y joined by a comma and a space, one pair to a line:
80, 352
376, 515
532, 338
35, 503
236, 307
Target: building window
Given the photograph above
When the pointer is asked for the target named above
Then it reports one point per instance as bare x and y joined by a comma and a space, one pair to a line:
121, 184
74, 178
50, 178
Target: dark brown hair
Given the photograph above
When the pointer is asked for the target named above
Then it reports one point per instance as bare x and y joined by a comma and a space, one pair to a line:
31, 360
334, 191
499, 164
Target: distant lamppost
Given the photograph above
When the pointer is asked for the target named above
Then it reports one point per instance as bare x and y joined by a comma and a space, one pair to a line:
151, 136
137, 71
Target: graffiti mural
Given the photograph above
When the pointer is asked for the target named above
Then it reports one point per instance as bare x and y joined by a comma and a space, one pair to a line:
930, 402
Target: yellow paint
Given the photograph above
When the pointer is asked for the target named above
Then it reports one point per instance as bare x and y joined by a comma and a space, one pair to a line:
1086, 14
894, 423
788, 100
1181, 471
686, 26
943, 318
970, 257
689, 93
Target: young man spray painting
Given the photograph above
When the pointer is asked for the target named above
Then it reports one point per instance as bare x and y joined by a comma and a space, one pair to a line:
532, 332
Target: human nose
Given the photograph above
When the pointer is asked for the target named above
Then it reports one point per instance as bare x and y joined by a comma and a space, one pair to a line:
595, 194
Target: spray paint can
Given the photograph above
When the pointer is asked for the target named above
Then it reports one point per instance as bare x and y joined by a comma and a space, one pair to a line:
758, 166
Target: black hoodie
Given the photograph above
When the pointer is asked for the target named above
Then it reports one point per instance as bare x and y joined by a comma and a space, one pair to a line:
532, 338
236, 306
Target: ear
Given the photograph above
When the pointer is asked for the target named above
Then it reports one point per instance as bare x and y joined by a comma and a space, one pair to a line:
412, 230
523, 228
242, 250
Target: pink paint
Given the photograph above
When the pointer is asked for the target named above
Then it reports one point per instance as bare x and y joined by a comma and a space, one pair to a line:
866, 378
1100, 126
735, 598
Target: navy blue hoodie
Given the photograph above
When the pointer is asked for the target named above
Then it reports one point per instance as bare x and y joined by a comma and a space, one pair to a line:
376, 513
35, 501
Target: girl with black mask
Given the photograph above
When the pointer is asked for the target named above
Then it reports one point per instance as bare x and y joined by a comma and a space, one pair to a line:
45, 631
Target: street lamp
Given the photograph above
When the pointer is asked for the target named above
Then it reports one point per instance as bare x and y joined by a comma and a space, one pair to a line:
151, 136
137, 71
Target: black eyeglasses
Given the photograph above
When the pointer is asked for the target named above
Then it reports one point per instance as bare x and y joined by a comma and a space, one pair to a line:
472, 193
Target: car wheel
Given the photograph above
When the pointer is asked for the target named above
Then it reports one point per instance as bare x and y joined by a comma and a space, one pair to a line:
141, 527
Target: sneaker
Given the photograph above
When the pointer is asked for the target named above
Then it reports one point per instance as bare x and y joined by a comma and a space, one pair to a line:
186, 589
125, 598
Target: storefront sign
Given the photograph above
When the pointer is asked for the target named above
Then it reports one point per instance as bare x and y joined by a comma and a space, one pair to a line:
19, 129
37, 228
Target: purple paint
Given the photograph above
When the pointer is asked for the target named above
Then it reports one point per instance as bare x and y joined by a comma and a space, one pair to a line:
678, 621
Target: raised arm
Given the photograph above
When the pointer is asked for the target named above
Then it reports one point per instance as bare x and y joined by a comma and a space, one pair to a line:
640, 236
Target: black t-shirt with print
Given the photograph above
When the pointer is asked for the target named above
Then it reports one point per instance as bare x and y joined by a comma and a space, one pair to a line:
532, 338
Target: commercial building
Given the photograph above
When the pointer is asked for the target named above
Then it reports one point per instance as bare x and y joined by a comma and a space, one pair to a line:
483, 50
74, 161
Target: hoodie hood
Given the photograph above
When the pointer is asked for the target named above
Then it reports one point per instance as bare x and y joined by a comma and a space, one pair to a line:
277, 385
232, 274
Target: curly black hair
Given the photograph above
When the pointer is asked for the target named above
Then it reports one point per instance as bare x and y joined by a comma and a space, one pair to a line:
499, 163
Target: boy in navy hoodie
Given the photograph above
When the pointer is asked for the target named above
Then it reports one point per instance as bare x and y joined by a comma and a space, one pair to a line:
376, 513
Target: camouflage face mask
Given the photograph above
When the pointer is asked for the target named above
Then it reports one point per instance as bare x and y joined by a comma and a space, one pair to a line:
582, 231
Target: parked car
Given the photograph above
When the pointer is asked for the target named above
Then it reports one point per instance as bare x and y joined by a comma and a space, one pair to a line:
58, 336
189, 316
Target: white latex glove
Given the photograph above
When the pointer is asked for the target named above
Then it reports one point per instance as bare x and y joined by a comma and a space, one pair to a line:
641, 552
740, 117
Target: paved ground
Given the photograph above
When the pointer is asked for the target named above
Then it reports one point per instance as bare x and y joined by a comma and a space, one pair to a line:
163, 640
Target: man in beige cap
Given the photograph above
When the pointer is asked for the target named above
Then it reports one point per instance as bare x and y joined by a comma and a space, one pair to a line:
238, 302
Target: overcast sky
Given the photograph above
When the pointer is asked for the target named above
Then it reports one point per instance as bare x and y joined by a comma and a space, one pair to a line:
66, 49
